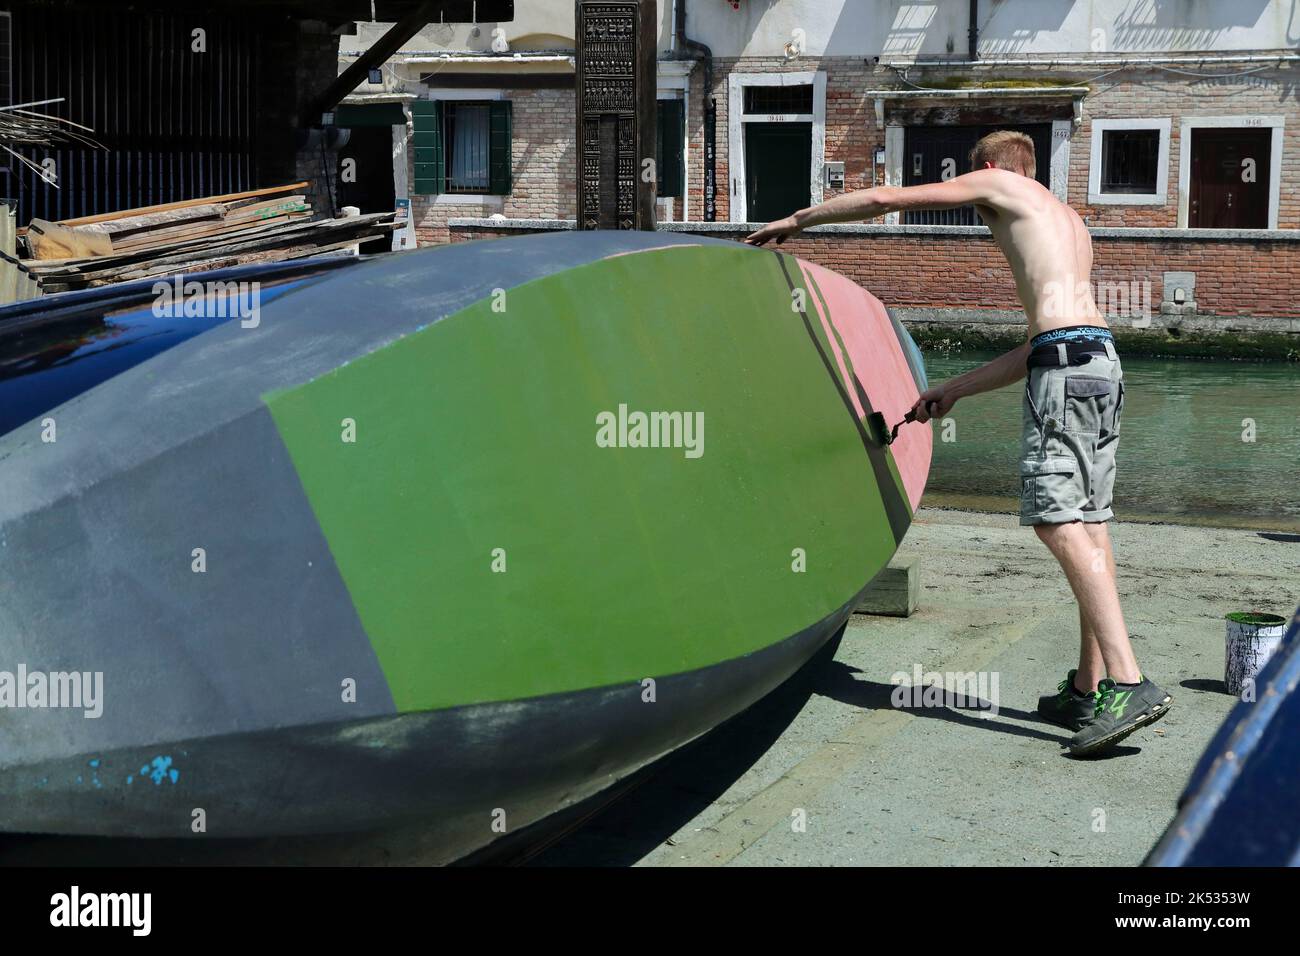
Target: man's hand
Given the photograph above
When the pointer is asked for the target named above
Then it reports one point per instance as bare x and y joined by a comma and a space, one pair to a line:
933, 403
780, 230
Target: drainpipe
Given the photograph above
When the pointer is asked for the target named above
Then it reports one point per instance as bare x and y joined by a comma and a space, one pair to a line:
973, 33
704, 54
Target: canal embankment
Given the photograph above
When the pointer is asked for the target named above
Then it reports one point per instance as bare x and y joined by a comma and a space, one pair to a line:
1186, 335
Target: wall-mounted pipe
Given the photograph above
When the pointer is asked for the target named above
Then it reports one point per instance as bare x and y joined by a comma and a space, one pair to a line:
705, 54
973, 32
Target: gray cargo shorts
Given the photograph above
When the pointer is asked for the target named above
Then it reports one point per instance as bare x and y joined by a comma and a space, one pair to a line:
1071, 432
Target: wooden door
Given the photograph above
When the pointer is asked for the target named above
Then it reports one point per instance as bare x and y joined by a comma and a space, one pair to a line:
1229, 178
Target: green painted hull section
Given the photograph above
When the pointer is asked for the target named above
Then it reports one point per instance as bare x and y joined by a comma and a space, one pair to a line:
479, 433
847, 355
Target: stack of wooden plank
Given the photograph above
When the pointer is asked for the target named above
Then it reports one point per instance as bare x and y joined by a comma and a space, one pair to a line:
263, 225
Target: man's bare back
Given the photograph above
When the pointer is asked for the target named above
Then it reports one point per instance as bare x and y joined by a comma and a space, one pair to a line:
1049, 251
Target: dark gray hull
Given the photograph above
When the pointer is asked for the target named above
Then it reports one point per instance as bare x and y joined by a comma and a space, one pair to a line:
457, 772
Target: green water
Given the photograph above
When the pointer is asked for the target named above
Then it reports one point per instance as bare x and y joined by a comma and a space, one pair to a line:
1181, 458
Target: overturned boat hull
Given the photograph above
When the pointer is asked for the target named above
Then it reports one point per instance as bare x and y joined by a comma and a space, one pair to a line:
463, 535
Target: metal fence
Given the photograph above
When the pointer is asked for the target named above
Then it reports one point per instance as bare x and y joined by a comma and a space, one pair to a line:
174, 109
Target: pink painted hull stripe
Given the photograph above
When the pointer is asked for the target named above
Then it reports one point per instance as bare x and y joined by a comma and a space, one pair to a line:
877, 357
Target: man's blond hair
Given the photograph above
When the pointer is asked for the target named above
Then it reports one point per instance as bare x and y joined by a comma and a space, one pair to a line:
1006, 149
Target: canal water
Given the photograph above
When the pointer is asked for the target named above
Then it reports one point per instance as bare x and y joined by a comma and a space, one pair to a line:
1185, 454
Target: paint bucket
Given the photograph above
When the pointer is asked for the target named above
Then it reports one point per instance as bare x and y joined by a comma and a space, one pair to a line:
1252, 639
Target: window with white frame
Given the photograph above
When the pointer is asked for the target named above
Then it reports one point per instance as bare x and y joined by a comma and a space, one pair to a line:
1129, 162
768, 175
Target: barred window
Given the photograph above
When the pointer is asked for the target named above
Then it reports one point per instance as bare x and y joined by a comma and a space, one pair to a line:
779, 99
462, 147
1129, 160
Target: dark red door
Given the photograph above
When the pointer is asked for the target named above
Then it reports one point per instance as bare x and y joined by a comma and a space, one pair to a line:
1230, 171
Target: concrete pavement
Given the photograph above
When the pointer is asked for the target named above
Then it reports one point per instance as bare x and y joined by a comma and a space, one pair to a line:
827, 771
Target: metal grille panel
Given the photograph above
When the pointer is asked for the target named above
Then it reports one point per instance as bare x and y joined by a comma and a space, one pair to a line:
176, 123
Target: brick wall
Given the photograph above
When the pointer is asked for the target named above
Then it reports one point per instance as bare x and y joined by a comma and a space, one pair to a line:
853, 131
544, 143
1156, 93
1232, 277
543, 165
695, 149
967, 271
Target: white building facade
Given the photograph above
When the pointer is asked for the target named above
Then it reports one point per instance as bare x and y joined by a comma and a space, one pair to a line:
1178, 114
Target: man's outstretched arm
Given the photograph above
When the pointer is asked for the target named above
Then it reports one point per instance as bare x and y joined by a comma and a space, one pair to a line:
985, 187
998, 373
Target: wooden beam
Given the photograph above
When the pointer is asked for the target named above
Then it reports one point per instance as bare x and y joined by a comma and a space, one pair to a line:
336, 11
49, 240
184, 203
377, 54
984, 113
500, 81
187, 253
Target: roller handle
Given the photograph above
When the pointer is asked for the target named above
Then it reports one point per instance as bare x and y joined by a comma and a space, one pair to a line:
909, 417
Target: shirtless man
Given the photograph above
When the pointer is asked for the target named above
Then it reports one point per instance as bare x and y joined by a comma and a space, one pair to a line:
1074, 397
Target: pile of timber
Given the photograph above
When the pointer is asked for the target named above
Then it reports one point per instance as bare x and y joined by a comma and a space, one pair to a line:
264, 225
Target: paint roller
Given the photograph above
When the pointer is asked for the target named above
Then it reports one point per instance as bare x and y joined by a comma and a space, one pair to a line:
883, 432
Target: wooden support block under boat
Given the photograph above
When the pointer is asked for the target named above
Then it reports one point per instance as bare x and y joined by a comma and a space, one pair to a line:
893, 592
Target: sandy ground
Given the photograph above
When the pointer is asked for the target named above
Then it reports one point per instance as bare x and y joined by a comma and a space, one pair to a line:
826, 771
873, 784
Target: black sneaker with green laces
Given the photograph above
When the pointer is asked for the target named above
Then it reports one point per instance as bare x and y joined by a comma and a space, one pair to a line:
1121, 709
1068, 707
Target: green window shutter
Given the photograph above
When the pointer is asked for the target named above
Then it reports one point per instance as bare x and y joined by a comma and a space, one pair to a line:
430, 166
499, 153
668, 148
